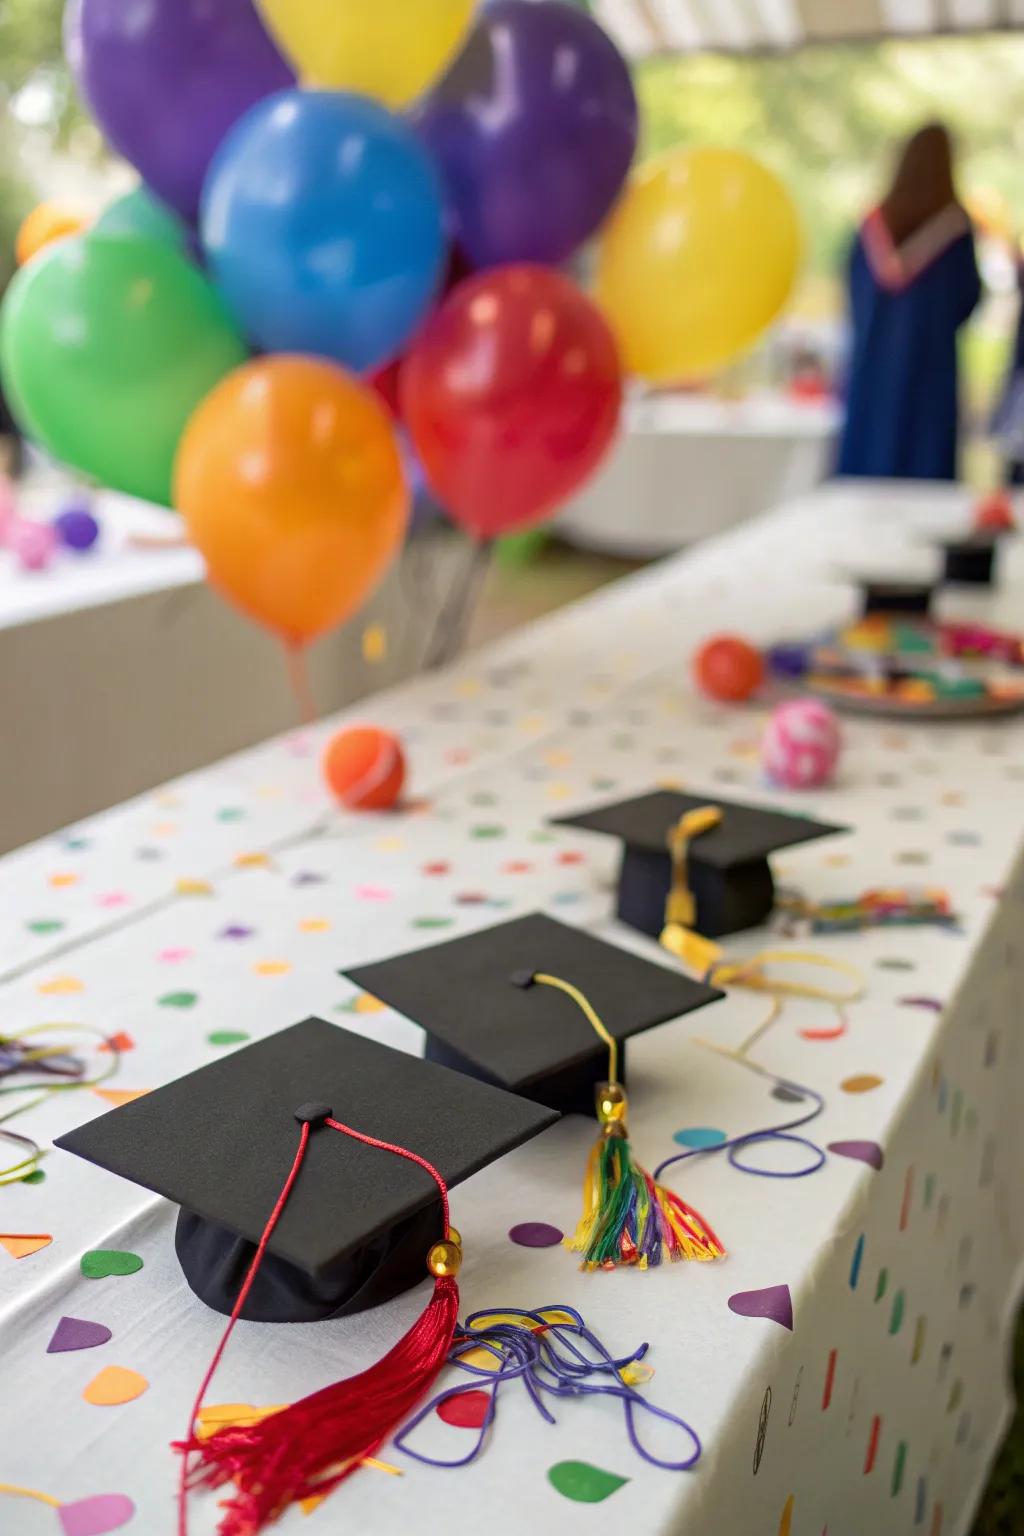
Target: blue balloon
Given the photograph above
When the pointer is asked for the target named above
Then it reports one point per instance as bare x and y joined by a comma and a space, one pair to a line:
322, 223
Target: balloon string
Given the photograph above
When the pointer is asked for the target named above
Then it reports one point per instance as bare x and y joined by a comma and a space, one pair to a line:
298, 677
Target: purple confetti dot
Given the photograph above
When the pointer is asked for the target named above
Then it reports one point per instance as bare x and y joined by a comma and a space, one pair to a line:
236, 931
536, 1234
861, 1151
774, 1302
96, 1516
931, 1003
75, 1333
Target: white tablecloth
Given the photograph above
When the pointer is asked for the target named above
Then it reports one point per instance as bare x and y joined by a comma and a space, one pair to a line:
228, 903
690, 466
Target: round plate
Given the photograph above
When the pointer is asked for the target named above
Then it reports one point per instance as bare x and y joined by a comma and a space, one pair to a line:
902, 709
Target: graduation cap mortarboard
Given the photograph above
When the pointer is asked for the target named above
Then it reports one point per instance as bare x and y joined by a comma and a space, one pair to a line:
727, 867
971, 560
359, 1223
473, 997
897, 597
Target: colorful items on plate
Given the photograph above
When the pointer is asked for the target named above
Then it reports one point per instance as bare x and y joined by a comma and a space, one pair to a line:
801, 744
365, 768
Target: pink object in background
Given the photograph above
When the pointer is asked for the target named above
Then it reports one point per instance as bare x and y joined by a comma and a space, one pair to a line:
32, 544
801, 744
8, 508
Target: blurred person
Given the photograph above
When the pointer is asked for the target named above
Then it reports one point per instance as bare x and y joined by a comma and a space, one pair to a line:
913, 280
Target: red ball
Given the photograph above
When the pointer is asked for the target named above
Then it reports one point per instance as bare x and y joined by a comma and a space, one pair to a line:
994, 514
365, 768
728, 669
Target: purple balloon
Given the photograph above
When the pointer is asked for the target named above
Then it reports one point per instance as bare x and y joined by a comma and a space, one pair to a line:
166, 79
535, 128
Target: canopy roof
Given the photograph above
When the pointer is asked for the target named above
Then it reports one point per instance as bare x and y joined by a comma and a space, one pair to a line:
747, 26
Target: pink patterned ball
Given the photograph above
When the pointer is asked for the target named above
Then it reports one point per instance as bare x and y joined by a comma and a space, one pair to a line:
801, 744
33, 545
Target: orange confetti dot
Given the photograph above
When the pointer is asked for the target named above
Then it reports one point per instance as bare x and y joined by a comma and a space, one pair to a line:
252, 861
119, 1096
187, 887
314, 925
60, 986
118, 1042
375, 643
115, 1384
368, 1004
165, 829
865, 1082
58, 881
272, 967
22, 1245
786, 1523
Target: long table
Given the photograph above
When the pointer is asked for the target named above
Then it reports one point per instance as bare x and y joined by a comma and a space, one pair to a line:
844, 1367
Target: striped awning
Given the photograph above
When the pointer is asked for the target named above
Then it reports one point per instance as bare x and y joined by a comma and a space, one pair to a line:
746, 26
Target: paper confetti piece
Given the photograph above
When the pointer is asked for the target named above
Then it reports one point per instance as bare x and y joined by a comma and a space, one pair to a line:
174, 956
272, 967
60, 881
119, 1042
373, 893
60, 986
786, 1523
314, 925
44, 925
119, 1096
97, 1516
861, 1151
181, 1000
375, 643
585, 1484
113, 899
227, 1037
864, 1082
930, 1004
699, 1137
73, 1333
467, 1410
102, 1263
773, 1302
22, 1245
536, 1234
193, 888
114, 1385
236, 931
252, 861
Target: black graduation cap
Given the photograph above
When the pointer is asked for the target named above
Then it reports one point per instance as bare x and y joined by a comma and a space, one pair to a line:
971, 560
473, 997
896, 597
360, 1221
727, 867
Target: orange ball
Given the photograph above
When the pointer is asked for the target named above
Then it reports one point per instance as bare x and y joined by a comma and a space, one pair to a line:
994, 513
42, 226
728, 669
365, 768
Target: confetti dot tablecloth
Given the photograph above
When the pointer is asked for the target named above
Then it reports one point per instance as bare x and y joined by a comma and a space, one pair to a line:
844, 1366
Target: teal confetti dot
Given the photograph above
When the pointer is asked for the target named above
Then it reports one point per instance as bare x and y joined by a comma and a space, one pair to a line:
227, 1037
699, 1137
181, 1000
102, 1263
858, 1259
583, 1483
231, 813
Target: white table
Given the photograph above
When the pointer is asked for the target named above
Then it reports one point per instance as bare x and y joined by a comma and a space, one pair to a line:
231, 899
690, 466
129, 647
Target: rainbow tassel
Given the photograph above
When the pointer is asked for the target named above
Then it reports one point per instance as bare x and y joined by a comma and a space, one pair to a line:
627, 1217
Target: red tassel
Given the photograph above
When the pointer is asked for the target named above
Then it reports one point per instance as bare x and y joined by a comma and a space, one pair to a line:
308, 1449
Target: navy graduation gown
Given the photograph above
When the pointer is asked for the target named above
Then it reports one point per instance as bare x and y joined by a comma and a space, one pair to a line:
902, 415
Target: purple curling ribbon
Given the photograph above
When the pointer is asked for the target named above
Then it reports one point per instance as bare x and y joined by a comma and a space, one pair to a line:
736, 1145
550, 1359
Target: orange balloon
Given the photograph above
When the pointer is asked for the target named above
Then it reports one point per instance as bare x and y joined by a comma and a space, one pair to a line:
290, 480
48, 222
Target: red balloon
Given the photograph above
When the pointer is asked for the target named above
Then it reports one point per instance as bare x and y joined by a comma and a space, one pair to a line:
728, 669
385, 382
511, 394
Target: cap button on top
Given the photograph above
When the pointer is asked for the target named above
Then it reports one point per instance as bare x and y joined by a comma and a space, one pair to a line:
314, 1114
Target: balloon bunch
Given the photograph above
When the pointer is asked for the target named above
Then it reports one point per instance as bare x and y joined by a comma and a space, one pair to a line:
344, 262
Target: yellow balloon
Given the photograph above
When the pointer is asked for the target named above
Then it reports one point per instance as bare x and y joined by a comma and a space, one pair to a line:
390, 49
698, 259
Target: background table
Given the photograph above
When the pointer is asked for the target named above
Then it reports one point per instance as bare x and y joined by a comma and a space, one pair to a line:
226, 904
690, 466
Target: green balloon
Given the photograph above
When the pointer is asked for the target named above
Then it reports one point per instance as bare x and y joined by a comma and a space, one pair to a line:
106, 348
142, 215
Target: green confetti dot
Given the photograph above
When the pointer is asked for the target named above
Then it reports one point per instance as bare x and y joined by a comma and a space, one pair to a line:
483, 797
102, 1263
231, 813
929, 1189
883, 1282
896, 1320
542, 837
179, 1000
36, 1177
898, 1468
485, 832
432, 922
45, 925
227, 1037
585, 1484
